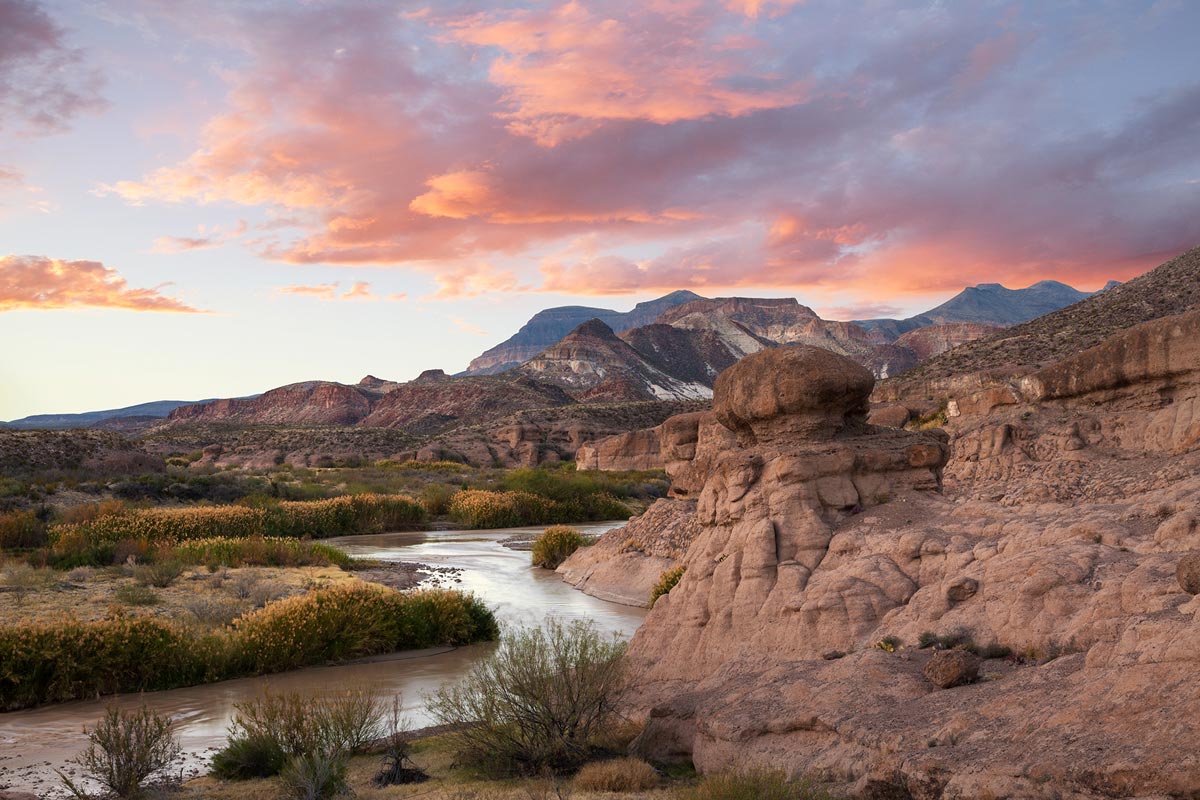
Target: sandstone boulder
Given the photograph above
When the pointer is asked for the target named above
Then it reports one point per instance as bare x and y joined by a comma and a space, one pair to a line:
795, 391
1188, 573
950, 668
889, 415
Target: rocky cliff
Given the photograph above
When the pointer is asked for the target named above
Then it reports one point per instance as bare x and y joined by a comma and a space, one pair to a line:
826, 555
594, 365
546, 327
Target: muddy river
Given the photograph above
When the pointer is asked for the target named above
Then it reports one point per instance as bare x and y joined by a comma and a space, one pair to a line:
33, 743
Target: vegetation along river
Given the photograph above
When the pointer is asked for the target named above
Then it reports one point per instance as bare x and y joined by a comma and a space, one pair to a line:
35, 742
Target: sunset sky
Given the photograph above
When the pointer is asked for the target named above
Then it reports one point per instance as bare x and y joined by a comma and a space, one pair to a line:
213, 198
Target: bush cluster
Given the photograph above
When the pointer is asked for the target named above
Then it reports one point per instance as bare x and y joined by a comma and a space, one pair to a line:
555, 545
482, 508
64, 660
112, 537
259, 551
756, 785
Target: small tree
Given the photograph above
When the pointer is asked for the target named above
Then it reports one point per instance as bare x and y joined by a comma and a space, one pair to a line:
540, 702
124, 749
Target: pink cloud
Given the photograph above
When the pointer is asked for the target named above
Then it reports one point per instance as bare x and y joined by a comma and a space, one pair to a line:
569, 68
361, 290
721, 142
37, 282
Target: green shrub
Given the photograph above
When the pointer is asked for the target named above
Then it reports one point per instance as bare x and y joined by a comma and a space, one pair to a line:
245, 757
541, 701
132, 594
273, 728
159, 573
259, 551
666, 582
555, 545
436, 498
755, 785
315, 776
124, 749
617, 775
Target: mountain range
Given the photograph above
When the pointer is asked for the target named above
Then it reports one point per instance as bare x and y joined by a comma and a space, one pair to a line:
671, 348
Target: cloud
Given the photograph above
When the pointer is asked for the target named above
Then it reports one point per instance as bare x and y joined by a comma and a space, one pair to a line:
37, 282
463, 325
712, 145
569, 68
361, 290
862, 311
210, 237
43, 83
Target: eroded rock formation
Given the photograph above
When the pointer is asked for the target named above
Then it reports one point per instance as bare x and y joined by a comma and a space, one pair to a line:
823, 544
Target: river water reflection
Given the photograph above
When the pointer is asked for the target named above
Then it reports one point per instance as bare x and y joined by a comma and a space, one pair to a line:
33, 743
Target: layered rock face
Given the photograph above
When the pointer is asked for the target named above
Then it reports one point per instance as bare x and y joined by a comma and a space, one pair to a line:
821, 537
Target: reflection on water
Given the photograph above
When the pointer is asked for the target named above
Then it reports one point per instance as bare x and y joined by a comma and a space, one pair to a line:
519, 594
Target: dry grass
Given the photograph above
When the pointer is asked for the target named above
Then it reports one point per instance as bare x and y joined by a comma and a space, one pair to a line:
91, 595
447, 783
617, 775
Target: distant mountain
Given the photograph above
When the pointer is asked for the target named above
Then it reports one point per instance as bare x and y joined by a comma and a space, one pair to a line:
1171, 288
987, 304
547, 327
156, 409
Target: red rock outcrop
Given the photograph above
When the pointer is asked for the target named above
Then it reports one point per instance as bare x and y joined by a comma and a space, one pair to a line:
309, 403
823, 536
934, 340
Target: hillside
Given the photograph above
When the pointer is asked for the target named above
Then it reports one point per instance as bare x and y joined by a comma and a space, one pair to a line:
593, 364
1170, 288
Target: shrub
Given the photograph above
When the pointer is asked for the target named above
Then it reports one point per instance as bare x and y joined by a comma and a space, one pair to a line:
272, 728
365, 513
555, 545
67, 660
315, 776
617, 775
755, 785
436, 498
159, 573
132, 594
124, 749
478, 508
23, 580
666, 582
245, 757
354, 620
540, 702
21, 530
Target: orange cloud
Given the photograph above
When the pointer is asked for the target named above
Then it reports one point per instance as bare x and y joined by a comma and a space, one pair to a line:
567, 70
361, 290
37, 282
752, 8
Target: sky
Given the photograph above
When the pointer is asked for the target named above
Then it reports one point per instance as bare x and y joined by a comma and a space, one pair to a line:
213, 198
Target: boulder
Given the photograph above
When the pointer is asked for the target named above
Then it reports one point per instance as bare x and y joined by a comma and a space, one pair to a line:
791, 392
889, 415
950, 668
1188, 573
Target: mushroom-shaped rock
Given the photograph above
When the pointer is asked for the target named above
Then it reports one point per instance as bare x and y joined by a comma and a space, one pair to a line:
795, 391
